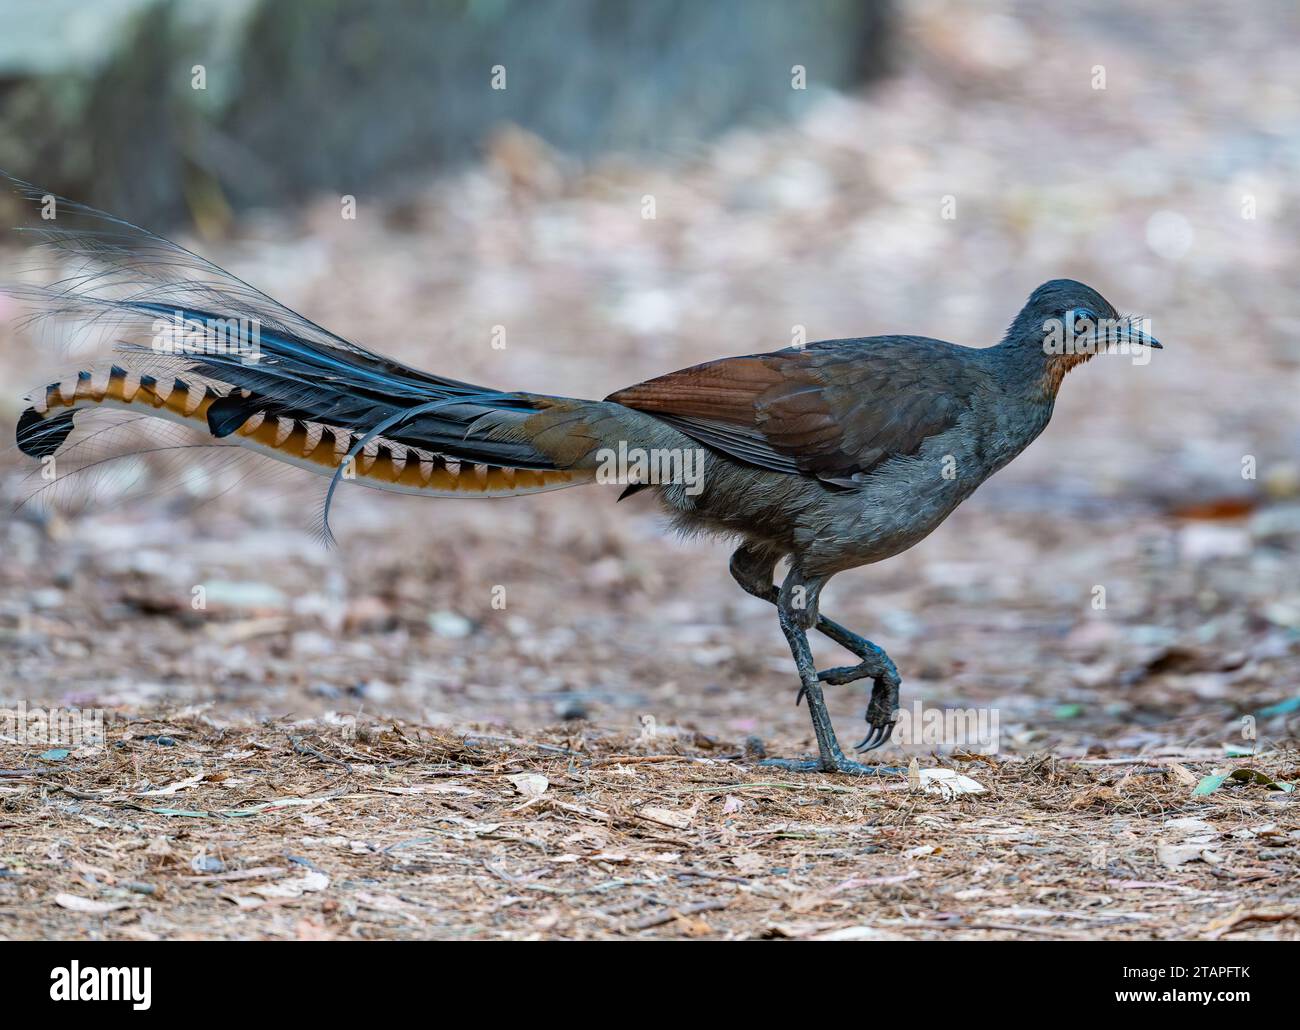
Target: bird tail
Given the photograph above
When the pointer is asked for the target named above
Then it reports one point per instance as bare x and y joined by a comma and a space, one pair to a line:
193, 345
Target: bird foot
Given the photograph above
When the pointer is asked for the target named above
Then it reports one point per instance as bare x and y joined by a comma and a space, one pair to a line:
881, 710
840, 764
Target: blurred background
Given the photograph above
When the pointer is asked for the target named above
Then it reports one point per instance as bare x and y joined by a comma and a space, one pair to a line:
848, 168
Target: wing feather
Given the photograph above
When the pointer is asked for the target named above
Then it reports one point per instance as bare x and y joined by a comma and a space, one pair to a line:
836, 410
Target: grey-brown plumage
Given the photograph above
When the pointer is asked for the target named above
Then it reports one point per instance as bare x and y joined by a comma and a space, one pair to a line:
848, 452
832, 456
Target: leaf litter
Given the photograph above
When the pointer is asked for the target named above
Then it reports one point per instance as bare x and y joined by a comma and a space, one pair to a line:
542, 839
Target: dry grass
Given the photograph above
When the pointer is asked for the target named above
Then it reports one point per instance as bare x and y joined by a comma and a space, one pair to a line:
380, 830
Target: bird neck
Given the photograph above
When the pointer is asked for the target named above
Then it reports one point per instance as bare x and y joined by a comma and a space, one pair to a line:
1028, 370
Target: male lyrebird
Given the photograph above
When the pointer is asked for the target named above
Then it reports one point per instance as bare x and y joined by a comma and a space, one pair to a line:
832, 455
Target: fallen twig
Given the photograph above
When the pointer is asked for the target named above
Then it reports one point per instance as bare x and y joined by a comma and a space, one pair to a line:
668, 915
303, 748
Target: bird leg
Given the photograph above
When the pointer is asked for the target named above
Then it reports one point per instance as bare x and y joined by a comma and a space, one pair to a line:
753, 571
830, 757
883, 706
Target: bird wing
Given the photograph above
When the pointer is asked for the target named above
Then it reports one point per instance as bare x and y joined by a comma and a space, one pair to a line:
834, 410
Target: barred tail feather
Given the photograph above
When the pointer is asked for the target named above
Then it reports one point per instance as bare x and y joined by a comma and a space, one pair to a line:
382, 464
193, 345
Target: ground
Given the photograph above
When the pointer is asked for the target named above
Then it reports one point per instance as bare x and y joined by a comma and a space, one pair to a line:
302, 742
190, 830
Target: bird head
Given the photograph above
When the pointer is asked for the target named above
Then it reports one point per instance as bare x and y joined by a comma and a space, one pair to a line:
1068, 322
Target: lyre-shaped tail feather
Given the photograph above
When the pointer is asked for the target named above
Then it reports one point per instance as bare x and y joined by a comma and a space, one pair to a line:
190, 343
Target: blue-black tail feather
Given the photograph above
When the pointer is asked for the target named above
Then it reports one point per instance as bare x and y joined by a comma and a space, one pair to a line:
167, 312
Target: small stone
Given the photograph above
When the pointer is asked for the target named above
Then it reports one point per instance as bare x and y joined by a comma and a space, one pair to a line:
572, 708
450, 625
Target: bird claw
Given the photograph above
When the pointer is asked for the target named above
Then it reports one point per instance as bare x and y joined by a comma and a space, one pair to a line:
877, 736
882, 713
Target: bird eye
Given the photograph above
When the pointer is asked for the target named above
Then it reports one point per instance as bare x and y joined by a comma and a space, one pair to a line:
1084, 321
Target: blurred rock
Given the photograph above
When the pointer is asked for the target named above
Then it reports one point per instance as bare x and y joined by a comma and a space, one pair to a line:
220, 593
299, 96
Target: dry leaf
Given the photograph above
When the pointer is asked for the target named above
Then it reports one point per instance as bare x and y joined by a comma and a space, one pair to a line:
90, 907
750, 863
679, 820
693, 926
1175, 855
809, 901
947, 783
795, 931
311, 930
475, 828
1188, 827
171, 788
861, 933
294, 888
530, 785
159, 848
1184, 775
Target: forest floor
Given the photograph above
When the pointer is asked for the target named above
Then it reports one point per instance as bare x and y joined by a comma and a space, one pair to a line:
186, 828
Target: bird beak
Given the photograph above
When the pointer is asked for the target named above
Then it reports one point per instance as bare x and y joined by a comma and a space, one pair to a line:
1136, 334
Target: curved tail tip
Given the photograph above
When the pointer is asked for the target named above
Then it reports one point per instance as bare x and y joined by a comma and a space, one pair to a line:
39, 436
